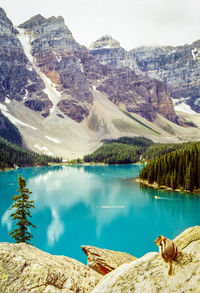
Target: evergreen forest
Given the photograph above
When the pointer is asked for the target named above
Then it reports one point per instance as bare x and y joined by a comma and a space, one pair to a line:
11, 155
9, 131
179, 169
125, 150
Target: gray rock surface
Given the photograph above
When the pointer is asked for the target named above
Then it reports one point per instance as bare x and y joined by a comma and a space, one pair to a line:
18, 80
24, 268
149, 273
51, 70
138, 94
189, 240
178, 67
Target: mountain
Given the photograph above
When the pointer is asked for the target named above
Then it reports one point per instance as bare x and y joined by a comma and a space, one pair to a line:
176, 67
65, 99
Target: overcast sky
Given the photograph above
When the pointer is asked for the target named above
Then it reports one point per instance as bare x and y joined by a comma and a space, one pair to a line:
132, 22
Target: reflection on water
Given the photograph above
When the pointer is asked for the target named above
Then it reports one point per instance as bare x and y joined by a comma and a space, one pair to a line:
97, 205
55, 229
67, 187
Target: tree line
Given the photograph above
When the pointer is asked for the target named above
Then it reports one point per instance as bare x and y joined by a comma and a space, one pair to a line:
178, 169
9, 131
11, 155
124, 150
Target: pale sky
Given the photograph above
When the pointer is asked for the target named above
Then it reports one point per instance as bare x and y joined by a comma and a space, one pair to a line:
132, 22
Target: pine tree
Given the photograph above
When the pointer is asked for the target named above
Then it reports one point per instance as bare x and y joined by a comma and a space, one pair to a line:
189, 179
22, 206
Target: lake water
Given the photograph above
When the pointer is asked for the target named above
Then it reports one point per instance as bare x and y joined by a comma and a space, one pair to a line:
96, 205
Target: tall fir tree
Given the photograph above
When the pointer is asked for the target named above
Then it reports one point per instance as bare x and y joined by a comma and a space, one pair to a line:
22, 206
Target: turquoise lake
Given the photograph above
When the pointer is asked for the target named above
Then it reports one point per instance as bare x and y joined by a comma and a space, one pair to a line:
96, 205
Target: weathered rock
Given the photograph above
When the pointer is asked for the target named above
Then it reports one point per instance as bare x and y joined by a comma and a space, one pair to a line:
150, 273
130, 88
178, 67
18, 79
109, 52
24, 268
138, 94
33, 21
57, 55
52, 71
103, 260
189, 240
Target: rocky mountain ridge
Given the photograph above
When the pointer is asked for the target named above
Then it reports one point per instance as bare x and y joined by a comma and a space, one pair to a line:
51, 86
177, 67
24, 268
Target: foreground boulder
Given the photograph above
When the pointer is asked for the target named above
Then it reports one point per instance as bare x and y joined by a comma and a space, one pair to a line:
150, 273
103, 260
189, 240
24, 268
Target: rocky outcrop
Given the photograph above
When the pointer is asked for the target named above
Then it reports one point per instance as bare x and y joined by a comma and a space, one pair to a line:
24, 268
57, 55
109, 52
178, 67
149, 273
18, 80
103, 260
189, 240
56, 74
130, 88
137, 94
73, 69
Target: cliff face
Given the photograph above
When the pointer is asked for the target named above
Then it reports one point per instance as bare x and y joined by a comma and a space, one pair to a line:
55, 73
178, 67
18, 80
52, 84
138, 94
128, 86
108, 51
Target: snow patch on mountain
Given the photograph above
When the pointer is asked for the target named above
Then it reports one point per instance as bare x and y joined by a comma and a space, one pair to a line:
43, 149
183, 107
7, 100
52, 139
196, 54
14, 120
25, 39
81, 65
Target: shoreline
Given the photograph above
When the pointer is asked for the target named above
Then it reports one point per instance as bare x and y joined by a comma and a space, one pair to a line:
68, 164
164, 187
